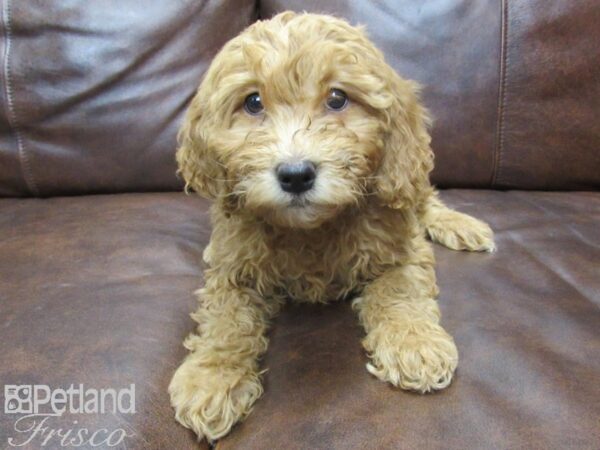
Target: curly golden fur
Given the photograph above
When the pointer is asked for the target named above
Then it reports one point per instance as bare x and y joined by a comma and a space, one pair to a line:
360, 230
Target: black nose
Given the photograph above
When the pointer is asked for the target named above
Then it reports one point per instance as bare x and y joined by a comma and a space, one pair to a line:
296, 177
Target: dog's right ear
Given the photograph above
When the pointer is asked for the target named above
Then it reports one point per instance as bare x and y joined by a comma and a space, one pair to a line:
197, 164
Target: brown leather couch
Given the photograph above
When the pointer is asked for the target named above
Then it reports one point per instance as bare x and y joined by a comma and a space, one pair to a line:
100, 251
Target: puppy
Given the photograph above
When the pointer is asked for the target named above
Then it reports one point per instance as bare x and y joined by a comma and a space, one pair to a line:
316, 154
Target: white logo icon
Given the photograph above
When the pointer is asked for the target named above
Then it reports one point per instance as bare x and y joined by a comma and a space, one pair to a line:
18, 399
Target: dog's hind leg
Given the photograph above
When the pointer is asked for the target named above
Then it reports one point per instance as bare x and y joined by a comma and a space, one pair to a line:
456, 230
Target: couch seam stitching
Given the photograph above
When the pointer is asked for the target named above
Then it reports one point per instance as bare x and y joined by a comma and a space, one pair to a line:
13, 121
499, 147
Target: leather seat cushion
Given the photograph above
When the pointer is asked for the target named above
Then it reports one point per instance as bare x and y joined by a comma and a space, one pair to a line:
97, 290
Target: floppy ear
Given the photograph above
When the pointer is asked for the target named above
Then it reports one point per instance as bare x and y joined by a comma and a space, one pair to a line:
197, 164
403, 175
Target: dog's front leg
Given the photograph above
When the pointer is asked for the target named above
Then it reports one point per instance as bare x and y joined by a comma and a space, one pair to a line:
219, 381
405, 342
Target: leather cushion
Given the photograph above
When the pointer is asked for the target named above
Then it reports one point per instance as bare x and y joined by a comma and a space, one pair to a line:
97, 290
93, 92
513, 86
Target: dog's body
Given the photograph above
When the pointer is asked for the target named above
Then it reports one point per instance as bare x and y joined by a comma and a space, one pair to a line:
319, 195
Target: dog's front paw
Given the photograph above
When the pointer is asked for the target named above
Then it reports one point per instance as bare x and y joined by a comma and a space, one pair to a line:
459, 231
420, 357
210, 400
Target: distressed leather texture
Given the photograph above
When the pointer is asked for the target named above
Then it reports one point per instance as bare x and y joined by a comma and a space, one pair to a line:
97, 289
93, 93
92, 97
513, 85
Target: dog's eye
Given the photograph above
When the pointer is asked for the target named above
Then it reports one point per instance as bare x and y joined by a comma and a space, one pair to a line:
337, 99
253, 105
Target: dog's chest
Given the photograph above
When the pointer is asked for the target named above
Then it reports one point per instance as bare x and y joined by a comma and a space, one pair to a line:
323, 267
315, 273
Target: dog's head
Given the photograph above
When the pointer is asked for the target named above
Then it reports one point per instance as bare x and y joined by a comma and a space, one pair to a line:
300, 117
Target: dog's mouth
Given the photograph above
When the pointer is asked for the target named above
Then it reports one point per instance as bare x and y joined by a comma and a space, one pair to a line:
299, 211
299, 201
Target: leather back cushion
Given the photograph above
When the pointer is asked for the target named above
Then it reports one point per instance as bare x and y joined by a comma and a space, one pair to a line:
92, 93
513, 85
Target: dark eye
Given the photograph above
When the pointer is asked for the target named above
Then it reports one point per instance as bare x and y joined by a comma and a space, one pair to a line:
337, 100
253, 105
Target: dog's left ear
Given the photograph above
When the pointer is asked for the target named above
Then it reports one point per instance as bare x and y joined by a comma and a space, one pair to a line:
403, 176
